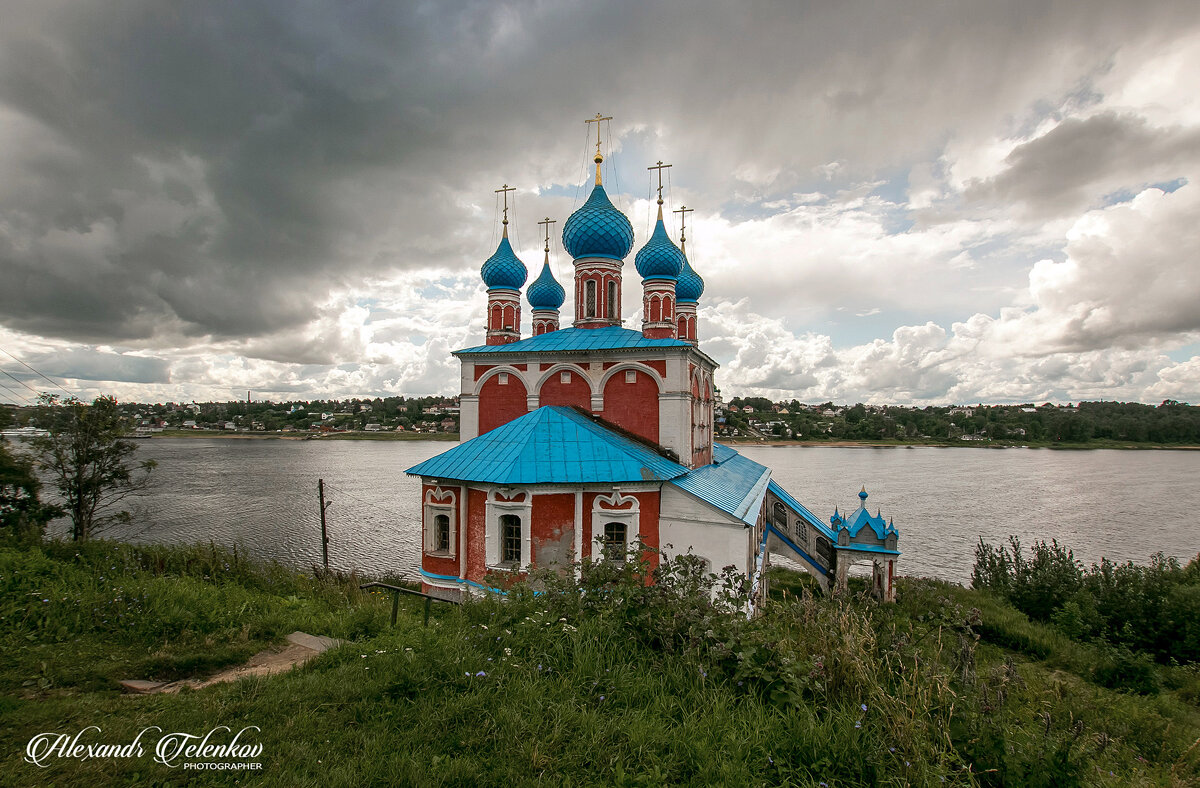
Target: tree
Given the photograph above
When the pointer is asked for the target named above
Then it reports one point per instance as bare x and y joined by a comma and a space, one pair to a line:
89, 461
23, 516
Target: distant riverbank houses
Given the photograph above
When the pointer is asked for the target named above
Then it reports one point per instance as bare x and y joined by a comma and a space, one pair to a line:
580, 441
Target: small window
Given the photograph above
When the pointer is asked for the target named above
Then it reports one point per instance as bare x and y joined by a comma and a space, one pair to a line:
780, 516
564, 377
614, 542
510, 539
612, 300
589, 289
441, 533
503, 376
630, 376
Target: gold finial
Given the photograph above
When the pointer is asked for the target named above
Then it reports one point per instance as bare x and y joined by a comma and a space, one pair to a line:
660, 167
599, 157
683, 211
548, 221
505, 192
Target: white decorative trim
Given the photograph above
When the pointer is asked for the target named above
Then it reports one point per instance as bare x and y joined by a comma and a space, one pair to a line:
522, 508
630, 517
559, 368
440, 502
494, 371
636, 366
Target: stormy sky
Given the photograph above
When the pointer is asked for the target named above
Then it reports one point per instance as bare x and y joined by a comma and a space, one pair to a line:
900, 202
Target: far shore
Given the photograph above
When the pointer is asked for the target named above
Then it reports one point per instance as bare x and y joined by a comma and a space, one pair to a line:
833, 444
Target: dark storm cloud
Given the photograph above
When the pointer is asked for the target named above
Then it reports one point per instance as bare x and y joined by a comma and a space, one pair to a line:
1070, 167
219, 169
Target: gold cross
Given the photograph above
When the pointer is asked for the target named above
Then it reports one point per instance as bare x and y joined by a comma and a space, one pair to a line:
683, 211
505, 192
597, 120
548, 221
660, 167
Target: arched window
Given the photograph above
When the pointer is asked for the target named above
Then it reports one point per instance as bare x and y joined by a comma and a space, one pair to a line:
510, 539
615, 542
780, 516
589, 298
441, 533
612, 300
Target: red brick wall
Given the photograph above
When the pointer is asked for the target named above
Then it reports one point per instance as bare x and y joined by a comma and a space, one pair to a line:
633, 406
476, 514
500, 404
577, 392
553, 528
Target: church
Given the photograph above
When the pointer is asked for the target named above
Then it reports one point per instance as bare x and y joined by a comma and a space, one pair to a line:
580, 441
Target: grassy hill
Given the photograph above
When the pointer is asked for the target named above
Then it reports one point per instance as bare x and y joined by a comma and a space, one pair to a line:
623, 684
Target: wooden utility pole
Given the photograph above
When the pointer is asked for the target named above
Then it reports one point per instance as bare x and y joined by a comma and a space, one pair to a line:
324, 532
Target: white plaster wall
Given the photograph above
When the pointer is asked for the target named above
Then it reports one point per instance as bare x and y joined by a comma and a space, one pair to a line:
687, 522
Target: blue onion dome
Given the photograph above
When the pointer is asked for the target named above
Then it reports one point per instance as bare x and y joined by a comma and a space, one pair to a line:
545, 292
659, 258
598, 229
689, 286
504, 270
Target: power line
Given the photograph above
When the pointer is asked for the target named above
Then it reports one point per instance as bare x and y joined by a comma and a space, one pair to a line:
23, 383
31, 369
16, 393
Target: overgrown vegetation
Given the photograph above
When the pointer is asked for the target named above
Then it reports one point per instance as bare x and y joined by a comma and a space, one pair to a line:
610, 682
1153, 609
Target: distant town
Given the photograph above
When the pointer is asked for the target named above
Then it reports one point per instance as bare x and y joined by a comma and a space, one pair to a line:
741, 419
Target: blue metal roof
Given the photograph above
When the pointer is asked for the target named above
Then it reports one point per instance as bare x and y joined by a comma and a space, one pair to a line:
606, 338
733, 484
801, 510
551, 445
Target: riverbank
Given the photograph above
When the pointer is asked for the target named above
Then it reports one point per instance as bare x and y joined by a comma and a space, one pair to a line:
948, 444
302, 436
732, 441
637, 686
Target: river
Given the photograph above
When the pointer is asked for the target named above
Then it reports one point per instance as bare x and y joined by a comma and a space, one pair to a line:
262, 496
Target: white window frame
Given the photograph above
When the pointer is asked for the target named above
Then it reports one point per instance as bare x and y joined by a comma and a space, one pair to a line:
493, 511
439, 501
630, 517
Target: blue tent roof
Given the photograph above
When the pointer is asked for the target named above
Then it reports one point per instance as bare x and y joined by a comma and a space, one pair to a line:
606, 338
733, 484
551, 445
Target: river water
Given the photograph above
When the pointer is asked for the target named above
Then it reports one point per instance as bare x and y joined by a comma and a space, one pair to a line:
262, 496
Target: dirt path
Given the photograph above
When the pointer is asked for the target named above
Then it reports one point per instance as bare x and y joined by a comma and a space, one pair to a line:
300, 648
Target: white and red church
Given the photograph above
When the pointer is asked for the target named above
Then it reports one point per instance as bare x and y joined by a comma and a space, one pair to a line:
594, 434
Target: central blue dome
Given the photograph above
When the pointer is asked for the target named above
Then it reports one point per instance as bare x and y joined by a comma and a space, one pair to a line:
504, 270
659, 258
598, 229
545, 292
689, 286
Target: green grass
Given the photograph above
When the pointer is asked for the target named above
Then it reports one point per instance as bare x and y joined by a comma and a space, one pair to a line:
623, 685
